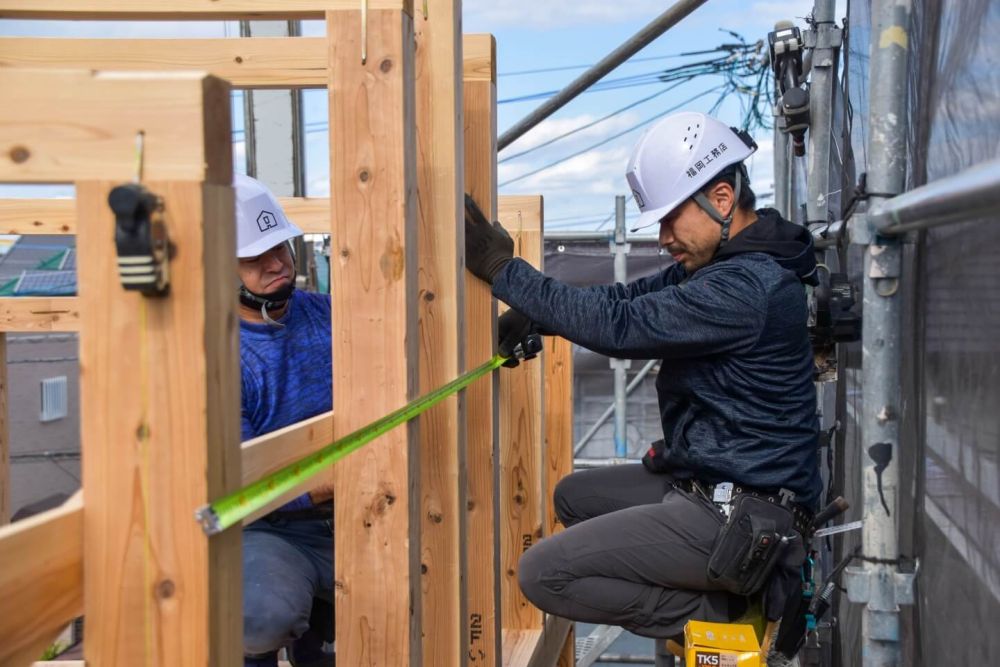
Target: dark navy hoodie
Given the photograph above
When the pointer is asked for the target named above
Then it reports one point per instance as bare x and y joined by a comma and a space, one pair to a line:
736, 393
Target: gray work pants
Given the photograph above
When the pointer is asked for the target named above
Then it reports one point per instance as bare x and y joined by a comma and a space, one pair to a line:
634, 554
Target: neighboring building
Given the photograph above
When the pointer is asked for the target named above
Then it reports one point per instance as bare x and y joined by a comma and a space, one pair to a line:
43, 406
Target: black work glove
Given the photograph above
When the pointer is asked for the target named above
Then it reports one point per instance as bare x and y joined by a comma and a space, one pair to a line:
512, 328
488, 247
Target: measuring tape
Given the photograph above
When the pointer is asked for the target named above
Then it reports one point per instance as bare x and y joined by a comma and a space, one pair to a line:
233, 508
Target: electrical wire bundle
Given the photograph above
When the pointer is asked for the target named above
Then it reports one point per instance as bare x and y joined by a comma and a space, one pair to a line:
743, 68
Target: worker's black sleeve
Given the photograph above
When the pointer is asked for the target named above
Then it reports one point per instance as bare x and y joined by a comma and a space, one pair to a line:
672, 275
721, 310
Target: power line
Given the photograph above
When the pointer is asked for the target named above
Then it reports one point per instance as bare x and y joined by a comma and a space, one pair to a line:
612, 137
686, 54
596, 122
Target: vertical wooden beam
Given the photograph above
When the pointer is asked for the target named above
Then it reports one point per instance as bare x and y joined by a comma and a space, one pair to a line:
4, 436
159, 417
479, 95
374, 277
521, 435
558, 444
441, 322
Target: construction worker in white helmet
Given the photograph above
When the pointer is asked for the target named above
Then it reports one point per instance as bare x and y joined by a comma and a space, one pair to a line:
649, 546
286, 377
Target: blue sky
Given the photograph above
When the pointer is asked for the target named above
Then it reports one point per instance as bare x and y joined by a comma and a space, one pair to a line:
531, 35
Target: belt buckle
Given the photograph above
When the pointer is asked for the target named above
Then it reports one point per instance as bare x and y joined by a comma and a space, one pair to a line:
722, 495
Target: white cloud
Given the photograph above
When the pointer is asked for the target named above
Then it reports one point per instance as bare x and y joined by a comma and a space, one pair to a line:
557, 13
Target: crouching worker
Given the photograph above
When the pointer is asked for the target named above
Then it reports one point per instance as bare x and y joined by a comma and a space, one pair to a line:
649, 546
287, 376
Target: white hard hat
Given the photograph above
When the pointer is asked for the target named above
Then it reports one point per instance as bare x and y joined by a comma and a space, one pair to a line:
679, 156
261, 223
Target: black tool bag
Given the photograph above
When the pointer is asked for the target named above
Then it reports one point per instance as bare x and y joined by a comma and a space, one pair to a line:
750, 544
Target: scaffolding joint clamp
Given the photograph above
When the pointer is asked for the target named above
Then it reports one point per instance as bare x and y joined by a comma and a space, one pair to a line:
860, 581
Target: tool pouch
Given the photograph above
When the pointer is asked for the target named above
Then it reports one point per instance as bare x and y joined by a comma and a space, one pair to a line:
750, 544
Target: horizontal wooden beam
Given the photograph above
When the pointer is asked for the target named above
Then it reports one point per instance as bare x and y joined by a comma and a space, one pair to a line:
66, 127
273, 451
252, 62
58, 216
41, 581
49, 314
190, 10
37, 216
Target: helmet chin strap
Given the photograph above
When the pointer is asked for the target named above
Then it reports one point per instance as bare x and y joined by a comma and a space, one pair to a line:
267, 302
702, 201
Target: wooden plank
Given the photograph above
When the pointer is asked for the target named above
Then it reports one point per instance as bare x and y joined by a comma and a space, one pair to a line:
441, 312
41, 581
41, 142
190, 10
372, 178
259, 62
252, 62
273, 451
160, 434
37, 216
48, 314
4, 436
558, 449
521, 435
520, 647
483, 642
159, 425
479, 58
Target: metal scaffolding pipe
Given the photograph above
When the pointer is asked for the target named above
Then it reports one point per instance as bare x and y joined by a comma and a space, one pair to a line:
969, 194
611, 408
825, 42
620, 250
654, 29
879, 584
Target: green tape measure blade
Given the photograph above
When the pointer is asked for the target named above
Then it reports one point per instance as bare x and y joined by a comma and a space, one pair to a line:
234, 507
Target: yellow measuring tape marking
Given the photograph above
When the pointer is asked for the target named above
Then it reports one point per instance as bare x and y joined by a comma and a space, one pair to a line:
233, 508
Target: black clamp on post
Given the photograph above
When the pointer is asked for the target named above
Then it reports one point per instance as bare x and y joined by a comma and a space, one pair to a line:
140, 239
792, 110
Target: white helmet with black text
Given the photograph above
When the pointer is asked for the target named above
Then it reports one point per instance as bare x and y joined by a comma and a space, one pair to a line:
678, 157
261, 224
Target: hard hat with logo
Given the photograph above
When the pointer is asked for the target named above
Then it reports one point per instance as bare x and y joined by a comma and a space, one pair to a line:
261, 223
679, 156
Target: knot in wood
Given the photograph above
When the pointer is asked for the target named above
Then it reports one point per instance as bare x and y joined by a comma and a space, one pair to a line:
364, 175
385, 65
165, 589
238, 60
19, 154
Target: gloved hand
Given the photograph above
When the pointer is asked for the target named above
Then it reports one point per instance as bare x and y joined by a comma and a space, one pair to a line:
488, 247
512, 328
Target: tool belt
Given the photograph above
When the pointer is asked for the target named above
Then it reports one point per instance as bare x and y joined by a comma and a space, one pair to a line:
759, 528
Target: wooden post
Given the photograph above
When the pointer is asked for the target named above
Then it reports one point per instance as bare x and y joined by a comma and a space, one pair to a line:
521, 435
4, 437
441, 327
558, 444
159, 415
480, 106
375, 336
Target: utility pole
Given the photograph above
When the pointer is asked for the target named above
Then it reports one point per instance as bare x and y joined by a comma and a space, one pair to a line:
824, 40
620, 249
878, 582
